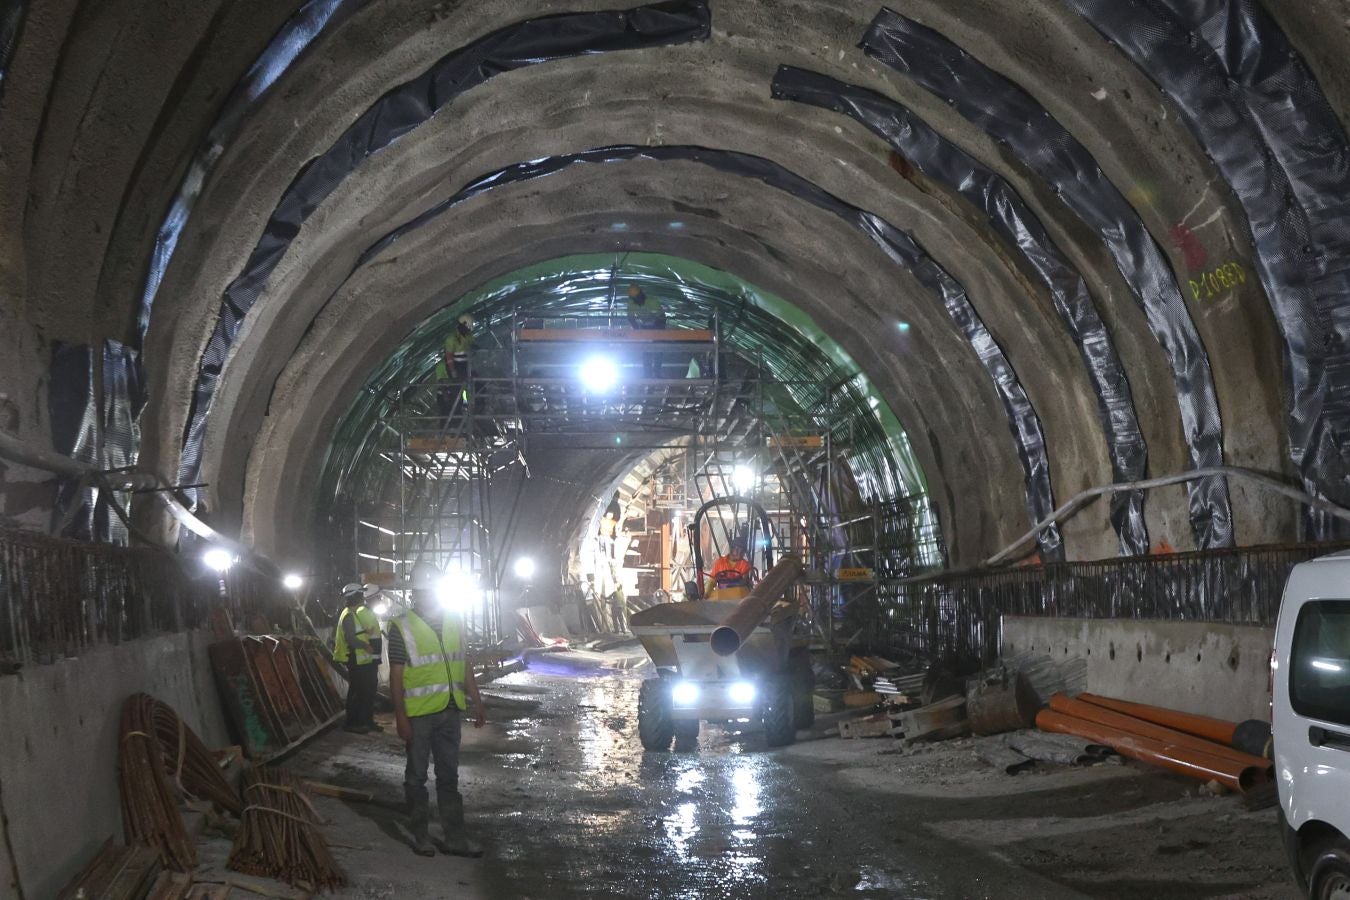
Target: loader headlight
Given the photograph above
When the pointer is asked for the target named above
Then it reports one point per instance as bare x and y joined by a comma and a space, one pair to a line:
742, 693
684, 693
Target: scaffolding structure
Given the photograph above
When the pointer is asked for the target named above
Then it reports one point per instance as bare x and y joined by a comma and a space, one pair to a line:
674, 388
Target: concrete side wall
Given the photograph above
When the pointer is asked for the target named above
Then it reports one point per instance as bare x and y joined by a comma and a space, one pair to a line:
1200, 667
58, 747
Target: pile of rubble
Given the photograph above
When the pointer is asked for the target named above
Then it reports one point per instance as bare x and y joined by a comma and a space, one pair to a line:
1040, 713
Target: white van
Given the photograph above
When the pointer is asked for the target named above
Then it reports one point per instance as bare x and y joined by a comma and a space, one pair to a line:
1310, 716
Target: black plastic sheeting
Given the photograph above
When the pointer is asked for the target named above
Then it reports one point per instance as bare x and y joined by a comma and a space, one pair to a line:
1260, 115
1010, 115
12, 15
397, 113
72, 411
1010, 217
1023, 422
121, 404
289, 42
92, 405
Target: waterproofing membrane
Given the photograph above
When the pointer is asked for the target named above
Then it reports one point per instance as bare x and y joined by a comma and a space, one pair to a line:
72, 410
12, 14
123, 397
1259, 113
1010, 115
293, 38
1009, 216
902, 249
397, 113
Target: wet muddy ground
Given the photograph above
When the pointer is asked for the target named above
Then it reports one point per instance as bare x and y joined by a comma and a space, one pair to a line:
568, 805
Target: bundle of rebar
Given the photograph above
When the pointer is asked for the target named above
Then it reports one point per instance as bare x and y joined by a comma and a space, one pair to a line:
279, 836
162, 762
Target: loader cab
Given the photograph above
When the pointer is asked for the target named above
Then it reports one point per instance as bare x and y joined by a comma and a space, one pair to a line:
1310, 716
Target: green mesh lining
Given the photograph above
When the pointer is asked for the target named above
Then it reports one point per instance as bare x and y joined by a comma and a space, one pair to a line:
755, 324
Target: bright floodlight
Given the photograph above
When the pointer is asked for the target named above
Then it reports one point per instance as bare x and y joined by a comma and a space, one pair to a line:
524, 568
599, 374
381, 608
684, 693
292, 582
742, 693
457, 592
218, 559
743, 477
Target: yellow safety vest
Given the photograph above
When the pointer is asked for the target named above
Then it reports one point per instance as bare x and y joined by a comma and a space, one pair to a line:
455, 344
367, 628
434, 672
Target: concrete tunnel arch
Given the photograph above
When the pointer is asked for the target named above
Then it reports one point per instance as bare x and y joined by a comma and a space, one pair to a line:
700, 77
759, 330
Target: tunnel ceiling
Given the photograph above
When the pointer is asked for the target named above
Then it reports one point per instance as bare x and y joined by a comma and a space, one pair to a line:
802, 379
1117, 232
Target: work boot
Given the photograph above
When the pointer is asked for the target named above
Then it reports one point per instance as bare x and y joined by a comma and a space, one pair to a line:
456, 841
419, 819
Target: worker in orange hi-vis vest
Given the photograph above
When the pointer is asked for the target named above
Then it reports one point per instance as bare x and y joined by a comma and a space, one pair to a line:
731, 571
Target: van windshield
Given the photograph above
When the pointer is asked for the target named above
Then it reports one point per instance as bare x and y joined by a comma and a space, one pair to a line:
1319, 662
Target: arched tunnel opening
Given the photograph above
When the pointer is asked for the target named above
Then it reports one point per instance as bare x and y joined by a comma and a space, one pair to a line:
709, 382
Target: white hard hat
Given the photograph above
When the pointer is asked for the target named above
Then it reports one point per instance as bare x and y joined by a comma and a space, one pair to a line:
466, 319
365, 590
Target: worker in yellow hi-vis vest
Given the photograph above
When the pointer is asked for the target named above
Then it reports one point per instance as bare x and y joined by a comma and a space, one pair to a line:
357, 644
452, 370
431, 686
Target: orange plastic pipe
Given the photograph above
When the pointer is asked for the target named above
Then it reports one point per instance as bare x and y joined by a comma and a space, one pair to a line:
1201, 726
1102, 716
1182, 760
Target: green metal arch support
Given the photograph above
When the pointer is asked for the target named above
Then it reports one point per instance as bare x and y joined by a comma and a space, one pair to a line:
754, 321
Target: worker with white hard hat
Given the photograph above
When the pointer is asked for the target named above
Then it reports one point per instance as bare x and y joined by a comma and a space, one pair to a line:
357, 644
432, 685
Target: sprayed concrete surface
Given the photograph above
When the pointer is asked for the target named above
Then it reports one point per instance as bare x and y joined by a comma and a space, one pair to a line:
1210, 668
568, 805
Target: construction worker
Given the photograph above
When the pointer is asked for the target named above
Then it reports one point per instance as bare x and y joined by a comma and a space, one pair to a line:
431, 686
357, 644
452, 371
732, 570
646, 313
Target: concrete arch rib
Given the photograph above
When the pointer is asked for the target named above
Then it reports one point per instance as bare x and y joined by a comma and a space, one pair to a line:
1007, 112
403, 109
1265, 122
896, 244
921, 146
318, 384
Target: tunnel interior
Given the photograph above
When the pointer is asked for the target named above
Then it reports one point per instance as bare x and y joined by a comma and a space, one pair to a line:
997, 308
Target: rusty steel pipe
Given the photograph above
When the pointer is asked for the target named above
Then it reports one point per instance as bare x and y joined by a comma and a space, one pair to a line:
1102, 716
752, 610
1182, 760
1210, 729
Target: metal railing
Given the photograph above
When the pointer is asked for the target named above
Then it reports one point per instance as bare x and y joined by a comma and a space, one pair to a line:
60, 597
956, 618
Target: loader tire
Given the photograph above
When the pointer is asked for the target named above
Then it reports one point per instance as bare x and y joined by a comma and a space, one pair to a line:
778, 712
804, 688
656, 729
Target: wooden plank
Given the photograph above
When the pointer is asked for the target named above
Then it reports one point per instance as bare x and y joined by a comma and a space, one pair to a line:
797, 441
617, 335
435, 444
872, 726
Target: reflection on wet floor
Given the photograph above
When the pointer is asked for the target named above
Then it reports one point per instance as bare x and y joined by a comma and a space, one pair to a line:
590, 814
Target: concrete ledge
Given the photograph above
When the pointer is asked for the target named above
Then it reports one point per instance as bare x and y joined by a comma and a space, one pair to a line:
1202, 667
58, 746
